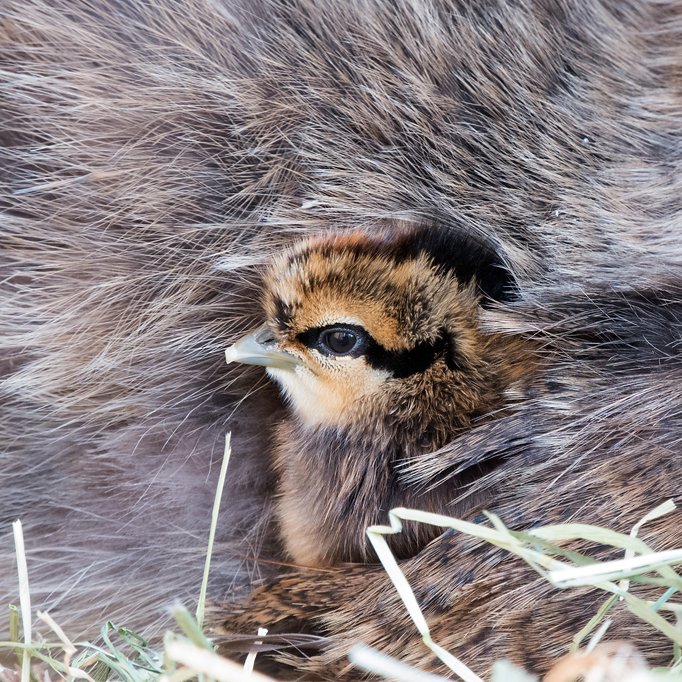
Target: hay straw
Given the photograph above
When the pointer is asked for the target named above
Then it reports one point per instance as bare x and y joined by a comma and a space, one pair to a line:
375, 534
211, 536
655, 513
209, 663
24, 598
375, 662
576, 576
251, 658
69, 648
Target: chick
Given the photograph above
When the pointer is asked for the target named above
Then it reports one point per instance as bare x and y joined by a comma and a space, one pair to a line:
375, 342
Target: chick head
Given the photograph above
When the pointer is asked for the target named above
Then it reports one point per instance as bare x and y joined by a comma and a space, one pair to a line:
354, 318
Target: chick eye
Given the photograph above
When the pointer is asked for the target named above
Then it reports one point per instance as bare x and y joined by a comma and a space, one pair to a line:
340, 341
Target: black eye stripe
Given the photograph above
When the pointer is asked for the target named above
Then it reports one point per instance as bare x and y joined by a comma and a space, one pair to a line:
400, 364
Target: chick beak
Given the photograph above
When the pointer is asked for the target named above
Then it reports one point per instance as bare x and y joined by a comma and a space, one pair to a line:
258, 348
